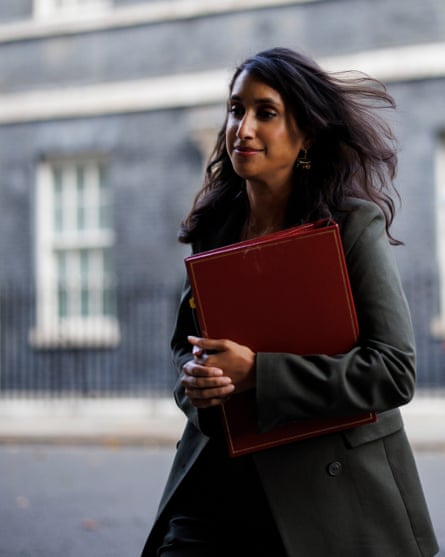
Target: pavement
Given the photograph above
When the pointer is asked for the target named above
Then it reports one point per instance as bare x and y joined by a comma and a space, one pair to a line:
158, 421
132, 421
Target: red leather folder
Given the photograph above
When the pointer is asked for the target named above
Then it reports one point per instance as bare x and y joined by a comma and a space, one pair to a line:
285, 292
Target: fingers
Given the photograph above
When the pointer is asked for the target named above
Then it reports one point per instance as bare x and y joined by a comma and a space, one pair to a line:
200, 355
197, 376
237, 361
219, 366
201, 345
205, 398
205, 386
194, 368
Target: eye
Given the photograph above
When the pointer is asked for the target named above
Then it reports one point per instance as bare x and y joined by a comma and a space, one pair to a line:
266, 113
236, 109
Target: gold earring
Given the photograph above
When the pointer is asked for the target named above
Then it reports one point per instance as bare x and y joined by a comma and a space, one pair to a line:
303, 162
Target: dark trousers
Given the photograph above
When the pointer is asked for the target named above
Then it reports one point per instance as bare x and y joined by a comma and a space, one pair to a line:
220, 510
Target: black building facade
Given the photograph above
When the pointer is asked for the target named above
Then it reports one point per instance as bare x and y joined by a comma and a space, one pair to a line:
107, 112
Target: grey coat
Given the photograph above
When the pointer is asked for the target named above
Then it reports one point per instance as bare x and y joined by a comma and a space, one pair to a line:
350, 494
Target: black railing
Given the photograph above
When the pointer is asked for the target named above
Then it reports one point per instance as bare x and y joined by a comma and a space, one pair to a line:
422, 291
132, 360
138, 363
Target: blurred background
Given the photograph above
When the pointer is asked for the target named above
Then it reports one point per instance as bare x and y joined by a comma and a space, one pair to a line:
108, 110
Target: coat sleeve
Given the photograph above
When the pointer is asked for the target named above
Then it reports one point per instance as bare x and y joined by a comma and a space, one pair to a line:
206, 420
376, 375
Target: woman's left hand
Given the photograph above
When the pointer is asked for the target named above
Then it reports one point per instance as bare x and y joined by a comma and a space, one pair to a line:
236, 360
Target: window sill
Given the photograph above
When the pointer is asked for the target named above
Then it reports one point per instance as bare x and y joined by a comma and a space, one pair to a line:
97, 333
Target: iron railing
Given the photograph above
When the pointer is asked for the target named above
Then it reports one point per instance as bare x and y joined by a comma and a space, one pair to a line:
139, 364
135, 361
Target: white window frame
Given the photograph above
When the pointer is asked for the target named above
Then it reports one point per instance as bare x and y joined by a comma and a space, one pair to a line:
55, 9
52, 329
438, 324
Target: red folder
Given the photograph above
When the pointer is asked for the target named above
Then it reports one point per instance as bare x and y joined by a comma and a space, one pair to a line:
284, 292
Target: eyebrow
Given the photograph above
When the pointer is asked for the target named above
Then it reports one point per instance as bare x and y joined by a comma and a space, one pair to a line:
263, 100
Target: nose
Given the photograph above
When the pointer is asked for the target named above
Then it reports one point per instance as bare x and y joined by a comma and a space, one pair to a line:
246, 127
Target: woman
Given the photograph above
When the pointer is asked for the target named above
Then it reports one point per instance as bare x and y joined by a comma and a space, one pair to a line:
297, 145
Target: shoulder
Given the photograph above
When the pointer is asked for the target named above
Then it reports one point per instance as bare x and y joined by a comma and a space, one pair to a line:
356, 210
358, 218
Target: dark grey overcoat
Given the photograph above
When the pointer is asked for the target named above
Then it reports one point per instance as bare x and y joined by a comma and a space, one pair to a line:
350, 494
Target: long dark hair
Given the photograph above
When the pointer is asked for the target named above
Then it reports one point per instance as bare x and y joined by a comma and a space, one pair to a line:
352, 149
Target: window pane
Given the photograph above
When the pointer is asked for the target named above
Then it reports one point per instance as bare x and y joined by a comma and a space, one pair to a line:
108, 294
62, 301
61, 266
62, 291
106, 258
84, 266
58, 199
80, 269
84, 284
81, 198
85, 301
104, 201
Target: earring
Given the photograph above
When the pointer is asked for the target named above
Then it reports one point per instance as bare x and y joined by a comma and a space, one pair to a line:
303, 162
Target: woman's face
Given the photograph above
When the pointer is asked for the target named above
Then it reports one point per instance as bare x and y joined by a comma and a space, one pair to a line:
262, 136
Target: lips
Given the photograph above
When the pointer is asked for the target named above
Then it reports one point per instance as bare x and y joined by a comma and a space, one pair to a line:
245, 151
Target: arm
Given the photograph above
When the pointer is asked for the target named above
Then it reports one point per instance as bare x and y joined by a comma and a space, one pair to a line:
379, 373
201, 385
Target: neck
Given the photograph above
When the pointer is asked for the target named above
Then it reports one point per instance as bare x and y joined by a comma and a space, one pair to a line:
266, 211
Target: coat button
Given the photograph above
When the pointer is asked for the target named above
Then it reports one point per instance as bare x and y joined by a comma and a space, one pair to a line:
335, 468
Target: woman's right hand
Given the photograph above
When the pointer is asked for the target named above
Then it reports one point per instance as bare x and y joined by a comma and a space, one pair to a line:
205, 386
